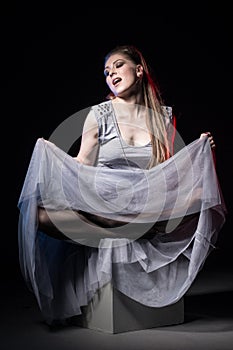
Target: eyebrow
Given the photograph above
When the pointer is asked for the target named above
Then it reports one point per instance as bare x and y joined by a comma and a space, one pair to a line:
119, 59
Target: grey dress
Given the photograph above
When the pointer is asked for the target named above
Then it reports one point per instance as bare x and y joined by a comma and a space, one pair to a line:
114, 152
156, 272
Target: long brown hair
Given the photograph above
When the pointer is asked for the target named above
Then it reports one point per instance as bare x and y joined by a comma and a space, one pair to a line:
152, 101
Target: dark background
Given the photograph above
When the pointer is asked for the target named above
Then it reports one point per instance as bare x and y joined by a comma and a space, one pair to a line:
52, 67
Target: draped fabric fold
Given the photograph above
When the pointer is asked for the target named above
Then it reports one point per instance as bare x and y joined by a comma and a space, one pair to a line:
179, 202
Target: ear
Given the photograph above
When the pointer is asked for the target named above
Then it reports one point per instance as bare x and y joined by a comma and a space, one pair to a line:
139, 71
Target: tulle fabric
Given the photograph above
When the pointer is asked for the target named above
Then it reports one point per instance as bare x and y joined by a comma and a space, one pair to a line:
180, 201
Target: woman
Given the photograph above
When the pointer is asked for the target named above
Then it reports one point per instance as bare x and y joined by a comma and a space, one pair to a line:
139, 131
132, 205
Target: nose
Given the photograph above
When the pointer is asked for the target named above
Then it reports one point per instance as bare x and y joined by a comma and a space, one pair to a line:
112, 71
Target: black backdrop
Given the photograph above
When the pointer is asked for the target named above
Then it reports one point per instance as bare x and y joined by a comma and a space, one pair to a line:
52, 67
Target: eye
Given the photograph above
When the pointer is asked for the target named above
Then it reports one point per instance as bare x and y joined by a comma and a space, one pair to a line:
106, 73
119, 64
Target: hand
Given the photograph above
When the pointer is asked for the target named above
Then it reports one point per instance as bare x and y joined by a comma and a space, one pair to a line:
210, 137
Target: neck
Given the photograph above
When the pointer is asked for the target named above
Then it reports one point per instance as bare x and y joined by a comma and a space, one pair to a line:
133, 100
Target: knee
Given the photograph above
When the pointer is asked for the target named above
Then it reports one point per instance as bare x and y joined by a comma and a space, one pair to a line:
43, 218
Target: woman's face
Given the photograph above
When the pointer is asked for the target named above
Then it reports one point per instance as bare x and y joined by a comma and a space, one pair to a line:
122, 75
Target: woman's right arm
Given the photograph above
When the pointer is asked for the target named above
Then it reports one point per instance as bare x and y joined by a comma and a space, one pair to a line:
89, 147
87, 155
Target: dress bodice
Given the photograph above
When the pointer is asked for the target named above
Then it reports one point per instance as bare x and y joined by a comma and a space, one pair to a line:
114, 152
